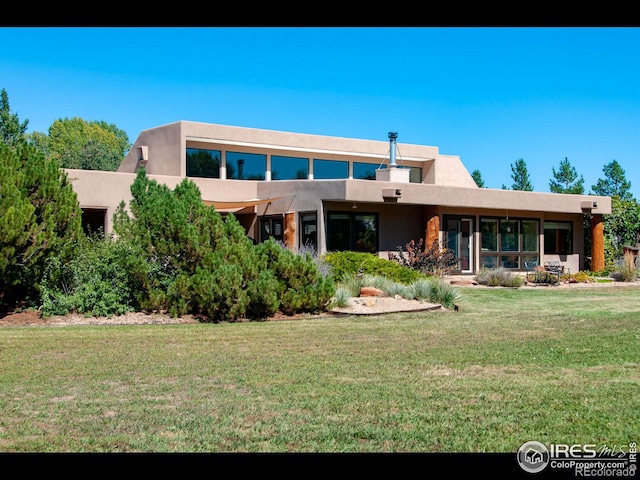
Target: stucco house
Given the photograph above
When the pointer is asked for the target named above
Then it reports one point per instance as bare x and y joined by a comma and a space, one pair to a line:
336, 193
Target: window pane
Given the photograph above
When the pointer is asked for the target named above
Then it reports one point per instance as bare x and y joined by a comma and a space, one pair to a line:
308, 230
510, 261
415, 175
246, 166
489, 261
364, 171
327, 169
352, 231
366, 233
339, 231
558, 238
271, 227
509, 236
529, 235
289, 168
203, 163
489, 234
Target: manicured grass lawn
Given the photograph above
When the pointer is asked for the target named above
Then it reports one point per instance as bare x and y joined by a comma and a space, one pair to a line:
552, 365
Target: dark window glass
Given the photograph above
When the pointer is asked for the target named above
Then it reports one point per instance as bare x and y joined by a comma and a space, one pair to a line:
364, 171
509, 235
246, 166
489, 230
352, 231
271, 227
308, 230
529, 235
558, 238
415, 175
203, 163
289, 168
515, 240
327, 169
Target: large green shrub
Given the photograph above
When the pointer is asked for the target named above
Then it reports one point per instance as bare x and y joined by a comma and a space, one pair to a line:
39, 216
301, 285
351, 263
194, 261
97, 281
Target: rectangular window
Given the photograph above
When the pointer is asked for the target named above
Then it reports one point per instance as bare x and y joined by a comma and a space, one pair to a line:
415, 175
246, 166
271, 227
329, 169
308, 230
352, 231
508, 242
558, 238
364, 171
489, 231
289, 168
509, 235
529, 235
203, 163
489, 261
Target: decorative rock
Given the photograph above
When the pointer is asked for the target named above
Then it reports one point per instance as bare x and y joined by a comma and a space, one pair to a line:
371, 292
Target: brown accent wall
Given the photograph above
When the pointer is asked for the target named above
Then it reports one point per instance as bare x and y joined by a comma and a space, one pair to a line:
597, 243
432, 229
290, 230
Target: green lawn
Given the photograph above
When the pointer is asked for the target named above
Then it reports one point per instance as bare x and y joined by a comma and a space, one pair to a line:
513, 365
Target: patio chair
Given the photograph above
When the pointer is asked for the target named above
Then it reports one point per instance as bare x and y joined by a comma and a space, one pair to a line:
532, 268
554, 269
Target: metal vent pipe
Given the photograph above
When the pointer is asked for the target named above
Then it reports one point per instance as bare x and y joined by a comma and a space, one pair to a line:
392, 149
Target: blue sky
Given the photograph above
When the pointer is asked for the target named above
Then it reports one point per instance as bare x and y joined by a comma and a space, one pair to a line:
491, 95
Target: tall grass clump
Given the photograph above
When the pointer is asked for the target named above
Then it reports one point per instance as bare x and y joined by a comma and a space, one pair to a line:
422, 290
341, 298
444, 294
499, 277
627, 271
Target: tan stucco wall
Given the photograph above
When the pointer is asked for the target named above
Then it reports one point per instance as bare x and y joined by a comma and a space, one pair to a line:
447, 185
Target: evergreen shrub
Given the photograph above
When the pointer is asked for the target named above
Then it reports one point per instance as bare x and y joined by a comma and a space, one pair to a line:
351, 263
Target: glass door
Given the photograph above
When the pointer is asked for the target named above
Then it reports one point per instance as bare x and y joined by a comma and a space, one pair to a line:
460, 241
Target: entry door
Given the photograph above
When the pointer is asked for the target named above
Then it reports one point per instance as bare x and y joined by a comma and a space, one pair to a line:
460, 240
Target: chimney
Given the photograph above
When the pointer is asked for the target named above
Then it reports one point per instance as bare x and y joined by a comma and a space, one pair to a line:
393, 173
392, 149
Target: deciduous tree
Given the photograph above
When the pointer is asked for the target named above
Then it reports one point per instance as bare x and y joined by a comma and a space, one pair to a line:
87, 145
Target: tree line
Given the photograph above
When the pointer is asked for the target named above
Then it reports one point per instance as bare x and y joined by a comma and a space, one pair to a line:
567, 180
621, 227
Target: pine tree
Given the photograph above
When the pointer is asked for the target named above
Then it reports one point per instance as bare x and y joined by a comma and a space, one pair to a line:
12, 131
477, 177
566, 179
39, 217
520, 176
615, 183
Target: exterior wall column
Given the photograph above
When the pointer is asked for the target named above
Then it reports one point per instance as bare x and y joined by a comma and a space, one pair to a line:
432, 227
290, 230
597, 243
